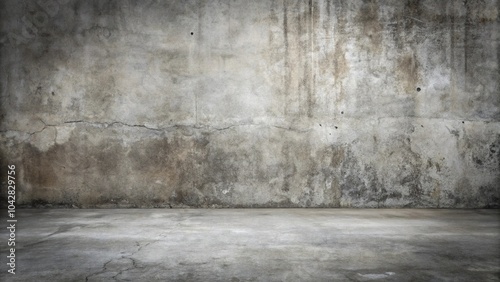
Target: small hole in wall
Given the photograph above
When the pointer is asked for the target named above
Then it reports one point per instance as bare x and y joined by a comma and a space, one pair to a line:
418, 89
336, 127
342, 112
320, 124
463, 121
53, 93
192, 33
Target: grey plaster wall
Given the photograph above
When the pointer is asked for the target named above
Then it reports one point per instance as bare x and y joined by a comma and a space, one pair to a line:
251, 103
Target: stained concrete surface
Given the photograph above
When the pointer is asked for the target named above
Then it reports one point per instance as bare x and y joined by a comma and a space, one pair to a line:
256, 245
281, 103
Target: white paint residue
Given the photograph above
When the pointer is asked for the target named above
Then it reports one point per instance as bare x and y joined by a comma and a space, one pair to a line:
376, 276
64, 133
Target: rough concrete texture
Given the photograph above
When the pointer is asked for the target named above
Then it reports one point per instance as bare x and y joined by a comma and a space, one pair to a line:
252, 103
255, 245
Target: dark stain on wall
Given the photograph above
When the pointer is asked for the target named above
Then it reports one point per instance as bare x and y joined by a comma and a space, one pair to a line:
371, 26
408, 71
357, 190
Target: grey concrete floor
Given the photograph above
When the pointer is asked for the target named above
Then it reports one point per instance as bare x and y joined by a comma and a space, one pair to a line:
255, 245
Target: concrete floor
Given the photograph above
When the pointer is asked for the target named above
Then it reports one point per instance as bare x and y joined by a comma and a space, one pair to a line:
255, 245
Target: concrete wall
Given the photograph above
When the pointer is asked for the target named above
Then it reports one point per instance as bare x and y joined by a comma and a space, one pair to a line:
251, 103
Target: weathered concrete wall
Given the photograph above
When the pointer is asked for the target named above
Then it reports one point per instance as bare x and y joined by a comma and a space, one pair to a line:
251, 103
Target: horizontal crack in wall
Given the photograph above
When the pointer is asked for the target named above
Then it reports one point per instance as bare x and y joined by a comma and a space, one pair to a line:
159, 129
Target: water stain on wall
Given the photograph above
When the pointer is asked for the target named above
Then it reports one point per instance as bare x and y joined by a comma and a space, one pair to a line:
371, 27
408, 72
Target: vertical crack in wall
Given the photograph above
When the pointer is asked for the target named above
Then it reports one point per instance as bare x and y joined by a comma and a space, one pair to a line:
467, 23
310, 89
452, 58
287, 74
199, 37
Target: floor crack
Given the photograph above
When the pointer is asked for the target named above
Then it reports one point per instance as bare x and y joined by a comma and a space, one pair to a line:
135, 265
103, 270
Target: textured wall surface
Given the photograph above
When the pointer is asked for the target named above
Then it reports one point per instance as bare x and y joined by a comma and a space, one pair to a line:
241, 103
